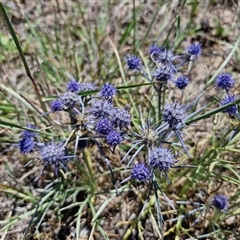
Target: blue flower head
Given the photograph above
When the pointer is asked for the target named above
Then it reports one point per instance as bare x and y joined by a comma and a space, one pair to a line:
57, 105
26, 145
120, 118
102, 109
195, 49
155, 49
69, 100
141, 172
83, 87
103, 126
220, 202
224, 81
108, 90
28, 133
162, 159
173, 114
113, 138
133, 63
165, 72
73, 86
54, 154
232, 111
181, 82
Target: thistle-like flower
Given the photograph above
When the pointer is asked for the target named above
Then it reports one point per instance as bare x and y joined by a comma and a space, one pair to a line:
120, 118
195, 49
232, 111
181, 82
220, 202
108, 90
133, 63
165, 72
102, 108
141, 172
162, 159
224, 81
54, 154
26, 145
83, 87
73, 86
113, 138
57, 105
69, 100
104, 126
173, 114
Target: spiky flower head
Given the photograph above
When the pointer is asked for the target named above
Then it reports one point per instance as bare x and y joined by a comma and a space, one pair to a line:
220, 202
194, 49
224, 81
181, 82
173, 114
26, 145
113, 138
103, 126
29, 133
54, 154
83, 87
102, 108
162, 159
232, 111
108, 90
69, 100
73, 86
141, 172
120, 117
165, 72
57, 105
133, 63
155, 49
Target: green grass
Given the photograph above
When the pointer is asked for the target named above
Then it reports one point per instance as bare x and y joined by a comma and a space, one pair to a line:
89, 42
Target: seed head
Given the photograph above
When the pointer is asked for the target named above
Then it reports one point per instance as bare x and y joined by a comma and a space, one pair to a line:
224, 81
162, 159
83, 87
220, 202
232, 111
103, 126
133, 63
114, 138
173, 114
141, 172
108, 90
181, 82
195, 49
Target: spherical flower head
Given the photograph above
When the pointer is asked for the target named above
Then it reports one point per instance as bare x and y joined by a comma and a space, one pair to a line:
133, 63
155, 49
101, 108
120, 117
57, 105
113, 138
83, 87
162, 159
108, 90
165, 72
181, 82
232, 111
220, 202
224, 81
26, 145
54, 154
173, 114
141, 172
69, 100
73, 86
103, 126
194, 49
